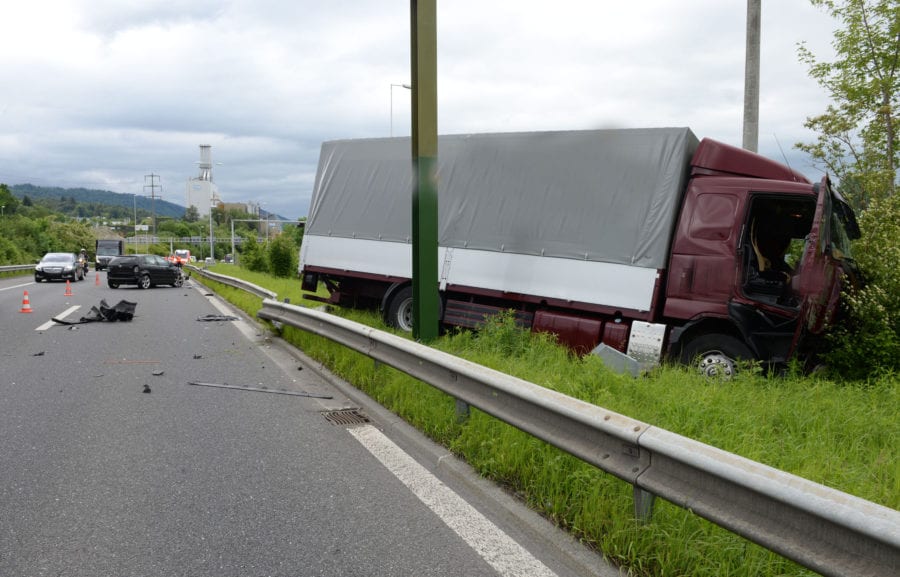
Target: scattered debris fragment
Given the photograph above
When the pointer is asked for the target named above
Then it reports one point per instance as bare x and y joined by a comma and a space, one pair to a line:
40, 354
217, 318
146, 388
158, 373
263, 390
198, 356
122, 311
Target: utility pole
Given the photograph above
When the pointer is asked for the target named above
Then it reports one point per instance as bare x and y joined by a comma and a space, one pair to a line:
751, 77
152, 186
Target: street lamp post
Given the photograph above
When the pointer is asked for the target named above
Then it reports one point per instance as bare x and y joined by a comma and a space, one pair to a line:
212, 204
406, 86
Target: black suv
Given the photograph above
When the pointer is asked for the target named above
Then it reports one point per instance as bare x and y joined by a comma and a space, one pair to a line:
143, 270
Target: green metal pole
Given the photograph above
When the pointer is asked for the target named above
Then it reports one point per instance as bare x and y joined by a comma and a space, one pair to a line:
424, 154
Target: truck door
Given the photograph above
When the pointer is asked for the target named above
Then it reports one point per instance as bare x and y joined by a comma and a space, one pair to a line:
818, 283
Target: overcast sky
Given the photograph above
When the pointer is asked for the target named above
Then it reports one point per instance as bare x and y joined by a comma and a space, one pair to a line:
100, 93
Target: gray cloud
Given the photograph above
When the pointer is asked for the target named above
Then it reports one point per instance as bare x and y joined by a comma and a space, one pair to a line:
99, 93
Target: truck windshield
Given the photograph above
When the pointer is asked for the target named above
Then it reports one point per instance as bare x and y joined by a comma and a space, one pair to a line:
840, 240
843, 225
108, 250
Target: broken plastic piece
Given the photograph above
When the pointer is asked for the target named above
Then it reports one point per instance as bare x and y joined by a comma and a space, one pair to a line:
217, 318
122, 311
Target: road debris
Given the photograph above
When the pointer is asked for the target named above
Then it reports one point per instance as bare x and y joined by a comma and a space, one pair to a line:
146, 388
122, 311
263, 390
218, 318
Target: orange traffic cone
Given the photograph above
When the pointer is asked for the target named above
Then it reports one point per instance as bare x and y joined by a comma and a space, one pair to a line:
68, 289
26, 306
96, 279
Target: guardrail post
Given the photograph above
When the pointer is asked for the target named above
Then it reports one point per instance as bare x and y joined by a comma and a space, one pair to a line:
462, 411
643, 504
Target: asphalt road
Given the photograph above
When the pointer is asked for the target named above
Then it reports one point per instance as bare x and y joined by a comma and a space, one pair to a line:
99, 478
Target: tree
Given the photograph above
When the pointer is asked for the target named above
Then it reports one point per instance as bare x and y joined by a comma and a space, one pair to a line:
857, 134
191, 214
282, 256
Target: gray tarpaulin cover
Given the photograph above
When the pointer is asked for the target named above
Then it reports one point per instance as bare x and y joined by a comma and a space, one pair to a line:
599, 195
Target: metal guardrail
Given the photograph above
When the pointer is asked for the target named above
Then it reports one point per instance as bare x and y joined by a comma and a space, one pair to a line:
823, 529
16, 268
234, 282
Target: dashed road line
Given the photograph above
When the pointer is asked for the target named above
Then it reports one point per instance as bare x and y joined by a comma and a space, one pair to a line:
62, 315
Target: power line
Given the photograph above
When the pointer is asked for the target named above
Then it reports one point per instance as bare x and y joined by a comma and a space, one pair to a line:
153, 196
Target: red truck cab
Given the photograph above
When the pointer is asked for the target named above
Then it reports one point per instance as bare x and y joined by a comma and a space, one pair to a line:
757, 259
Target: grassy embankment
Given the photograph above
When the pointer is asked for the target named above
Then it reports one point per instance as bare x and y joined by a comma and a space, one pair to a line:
843, 435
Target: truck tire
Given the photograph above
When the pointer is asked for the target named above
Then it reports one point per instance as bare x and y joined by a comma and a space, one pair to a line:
715, 355
400, 310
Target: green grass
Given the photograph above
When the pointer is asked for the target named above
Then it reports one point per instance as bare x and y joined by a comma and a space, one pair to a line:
841, 435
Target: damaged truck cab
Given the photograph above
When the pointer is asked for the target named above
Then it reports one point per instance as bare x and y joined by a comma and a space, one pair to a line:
648, 242
757, 261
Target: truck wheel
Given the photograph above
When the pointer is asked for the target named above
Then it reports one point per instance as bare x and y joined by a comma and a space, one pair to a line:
400, 310
715, 355
144, 282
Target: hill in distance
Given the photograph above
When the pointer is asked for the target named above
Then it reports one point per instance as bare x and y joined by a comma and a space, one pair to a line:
163, 208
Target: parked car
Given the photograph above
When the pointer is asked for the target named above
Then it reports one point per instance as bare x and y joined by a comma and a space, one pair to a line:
143, 270
59, 265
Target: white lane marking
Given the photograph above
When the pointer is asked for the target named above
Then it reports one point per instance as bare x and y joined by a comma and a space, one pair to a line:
62, 315
500, 551
15, 286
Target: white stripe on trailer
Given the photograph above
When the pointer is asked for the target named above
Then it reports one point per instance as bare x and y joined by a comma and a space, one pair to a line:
600, 283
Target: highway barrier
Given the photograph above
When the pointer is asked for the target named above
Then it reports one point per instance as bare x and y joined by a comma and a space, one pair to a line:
828, 531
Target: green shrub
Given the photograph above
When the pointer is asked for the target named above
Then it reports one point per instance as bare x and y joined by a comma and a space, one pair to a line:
282, 253
253, 256
867, 342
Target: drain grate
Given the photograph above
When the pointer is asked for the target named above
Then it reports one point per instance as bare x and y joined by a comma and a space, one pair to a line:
345, 417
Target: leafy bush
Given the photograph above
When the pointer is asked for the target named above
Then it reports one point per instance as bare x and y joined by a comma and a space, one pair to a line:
282, 253
253, 256
868, 342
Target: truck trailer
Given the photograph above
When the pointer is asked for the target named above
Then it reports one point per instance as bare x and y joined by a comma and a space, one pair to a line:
648, 241
107, 249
